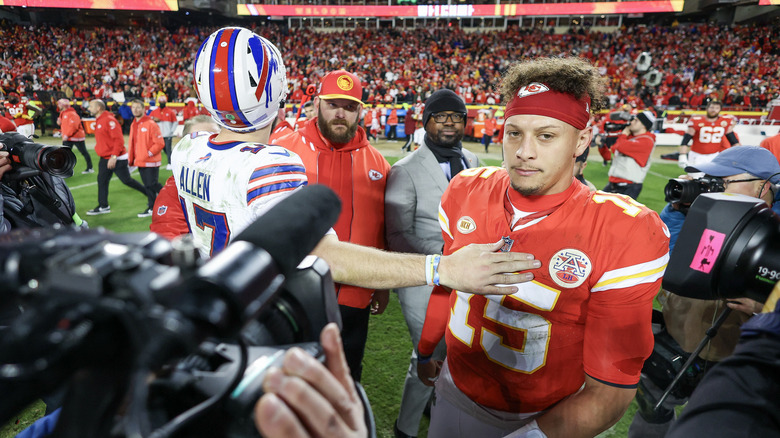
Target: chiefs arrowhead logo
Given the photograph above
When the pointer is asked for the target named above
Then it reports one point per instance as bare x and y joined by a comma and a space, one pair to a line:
531, 89
375, 175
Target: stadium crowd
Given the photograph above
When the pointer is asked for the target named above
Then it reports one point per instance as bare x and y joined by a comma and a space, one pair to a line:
739, 64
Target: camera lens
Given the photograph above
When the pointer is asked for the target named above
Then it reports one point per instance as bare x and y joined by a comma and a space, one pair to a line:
57, 161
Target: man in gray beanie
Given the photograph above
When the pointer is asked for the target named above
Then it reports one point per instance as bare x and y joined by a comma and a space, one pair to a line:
415, 185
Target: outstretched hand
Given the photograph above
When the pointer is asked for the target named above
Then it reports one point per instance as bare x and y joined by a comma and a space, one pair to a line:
306, 399
481, 269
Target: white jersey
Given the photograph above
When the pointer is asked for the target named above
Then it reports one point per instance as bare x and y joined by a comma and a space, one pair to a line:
224, 187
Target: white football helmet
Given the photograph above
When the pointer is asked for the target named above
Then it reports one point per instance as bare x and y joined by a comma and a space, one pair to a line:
240, 78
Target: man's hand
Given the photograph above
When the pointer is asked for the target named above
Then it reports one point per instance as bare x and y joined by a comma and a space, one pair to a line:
111, 163
428, 372
379, 301
306, 399
5, 163
480, 269
745, 305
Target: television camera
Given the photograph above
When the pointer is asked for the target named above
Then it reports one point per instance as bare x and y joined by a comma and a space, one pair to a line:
29, 158
728, 247
684, 191
151, 342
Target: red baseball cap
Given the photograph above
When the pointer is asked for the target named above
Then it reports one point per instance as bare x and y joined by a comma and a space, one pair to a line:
341, 84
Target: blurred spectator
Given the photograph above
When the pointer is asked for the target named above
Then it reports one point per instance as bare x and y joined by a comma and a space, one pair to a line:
141, 63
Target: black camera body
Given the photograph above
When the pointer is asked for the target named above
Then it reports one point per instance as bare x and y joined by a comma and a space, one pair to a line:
729, 246
133, 320
684, 191
24, 153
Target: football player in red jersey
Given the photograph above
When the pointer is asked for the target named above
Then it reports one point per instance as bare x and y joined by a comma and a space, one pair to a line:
23, 114
563, 355
707, 132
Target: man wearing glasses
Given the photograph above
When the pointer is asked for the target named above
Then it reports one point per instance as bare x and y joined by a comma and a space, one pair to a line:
745, 170
414, 188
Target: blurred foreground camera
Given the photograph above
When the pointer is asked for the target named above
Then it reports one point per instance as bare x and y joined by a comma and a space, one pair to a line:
149, 341
684, 191
23, 152
728, 247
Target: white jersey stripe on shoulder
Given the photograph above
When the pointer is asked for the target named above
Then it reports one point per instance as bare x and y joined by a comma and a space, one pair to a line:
444, 222
632, 275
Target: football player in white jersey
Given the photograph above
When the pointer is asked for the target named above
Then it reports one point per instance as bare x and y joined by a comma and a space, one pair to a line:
227, 180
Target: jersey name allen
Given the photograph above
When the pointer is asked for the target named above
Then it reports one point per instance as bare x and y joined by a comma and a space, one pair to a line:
195, 183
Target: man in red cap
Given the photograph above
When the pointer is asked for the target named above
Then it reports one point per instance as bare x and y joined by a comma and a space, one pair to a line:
336, 152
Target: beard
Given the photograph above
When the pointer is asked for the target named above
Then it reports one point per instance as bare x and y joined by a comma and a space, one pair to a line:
326, 128
525, 191
447, 140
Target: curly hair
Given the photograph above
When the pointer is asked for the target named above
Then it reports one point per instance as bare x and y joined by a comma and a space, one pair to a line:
575, 76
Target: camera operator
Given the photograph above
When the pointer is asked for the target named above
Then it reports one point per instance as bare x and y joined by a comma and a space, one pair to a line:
631, 156
610, 127
738, 397
746, 170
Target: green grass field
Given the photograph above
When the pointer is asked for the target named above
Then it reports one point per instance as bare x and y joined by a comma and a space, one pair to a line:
389, 347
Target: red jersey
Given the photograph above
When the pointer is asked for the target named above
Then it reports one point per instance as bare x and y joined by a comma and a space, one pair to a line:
357, 172
6, 125
18, 112
709, 134
167, 215
587, 311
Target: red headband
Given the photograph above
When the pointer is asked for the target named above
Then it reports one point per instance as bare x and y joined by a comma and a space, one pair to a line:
538, 99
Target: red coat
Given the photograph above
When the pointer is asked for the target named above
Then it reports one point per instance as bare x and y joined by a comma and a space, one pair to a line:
108, 136
146, 142
357, 172
71, 126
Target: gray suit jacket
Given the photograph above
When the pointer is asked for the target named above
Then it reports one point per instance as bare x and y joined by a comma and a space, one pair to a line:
415, 185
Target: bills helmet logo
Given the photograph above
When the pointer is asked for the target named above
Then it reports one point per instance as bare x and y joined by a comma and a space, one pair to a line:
375, 175
570, 268
531, 89
204, 158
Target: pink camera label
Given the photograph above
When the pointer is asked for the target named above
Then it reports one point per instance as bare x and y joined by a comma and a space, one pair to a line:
708, 251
